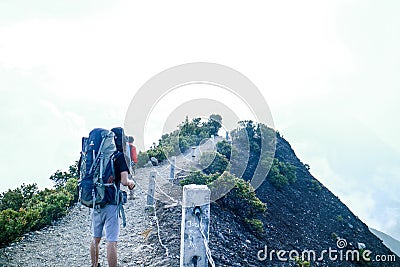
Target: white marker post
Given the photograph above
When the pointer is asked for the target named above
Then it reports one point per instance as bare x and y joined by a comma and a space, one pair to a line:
193, 152
150, 193
172, 172
195, 223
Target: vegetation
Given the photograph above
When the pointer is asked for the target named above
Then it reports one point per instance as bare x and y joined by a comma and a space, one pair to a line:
26, 208
225, 149
60, 178
281, 174
241, 195
334, 236
189, 133
315, 186
258, 141
143, 158
363, 259
198, 177
221, 171
255, 224
254, 140
213, 162
301, 262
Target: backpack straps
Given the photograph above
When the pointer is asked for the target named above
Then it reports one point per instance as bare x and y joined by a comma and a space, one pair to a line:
121, 212
118, 200
96, 160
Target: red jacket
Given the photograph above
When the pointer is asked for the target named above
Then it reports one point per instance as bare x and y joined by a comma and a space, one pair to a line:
133, 153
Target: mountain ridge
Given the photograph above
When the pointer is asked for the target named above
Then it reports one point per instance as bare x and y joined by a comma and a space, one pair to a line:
301, 216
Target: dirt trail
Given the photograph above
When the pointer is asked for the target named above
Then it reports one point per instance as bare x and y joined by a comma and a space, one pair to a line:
67, 242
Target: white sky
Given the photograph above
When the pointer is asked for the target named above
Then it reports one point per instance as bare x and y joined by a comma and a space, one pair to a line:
328, 69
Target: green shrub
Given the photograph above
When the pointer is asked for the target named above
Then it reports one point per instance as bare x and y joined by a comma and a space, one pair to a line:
27, 209
281, 174
255, 225
12, 199
72, 188
224, 148
315, 186
143, 158
279, 181
334, 236
48, 206
184, 143
213, 162
198, 177
241, 195
12, 224
363, 259
247, 141
252, 204
58, 204
33, 217
241, 200
301, 262
157, 152
189, 133
60, 178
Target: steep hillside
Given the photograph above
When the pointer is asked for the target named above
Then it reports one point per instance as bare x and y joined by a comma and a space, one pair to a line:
301, 217
311, 217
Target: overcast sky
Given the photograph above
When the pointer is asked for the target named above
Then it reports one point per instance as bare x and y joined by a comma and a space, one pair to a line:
328, 70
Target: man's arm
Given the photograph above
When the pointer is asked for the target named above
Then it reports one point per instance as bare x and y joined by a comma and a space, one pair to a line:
125, 181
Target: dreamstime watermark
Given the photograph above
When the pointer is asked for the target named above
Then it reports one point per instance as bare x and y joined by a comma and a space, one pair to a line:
197, 90
340, 253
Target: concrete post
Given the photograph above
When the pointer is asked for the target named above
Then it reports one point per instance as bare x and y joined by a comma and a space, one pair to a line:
193, 152
195, 208
172, 172
150, 192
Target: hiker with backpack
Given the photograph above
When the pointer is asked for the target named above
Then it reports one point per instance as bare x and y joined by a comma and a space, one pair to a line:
103, 168
131, 150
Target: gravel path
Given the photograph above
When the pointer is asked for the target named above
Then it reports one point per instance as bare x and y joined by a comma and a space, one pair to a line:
67, 242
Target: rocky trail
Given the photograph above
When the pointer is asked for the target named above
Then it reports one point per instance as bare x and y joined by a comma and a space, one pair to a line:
66, 243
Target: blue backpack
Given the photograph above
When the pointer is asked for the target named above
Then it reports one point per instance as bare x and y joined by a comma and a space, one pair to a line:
97, 186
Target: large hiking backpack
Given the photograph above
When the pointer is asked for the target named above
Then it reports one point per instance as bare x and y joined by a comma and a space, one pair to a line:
97, 185
120, 138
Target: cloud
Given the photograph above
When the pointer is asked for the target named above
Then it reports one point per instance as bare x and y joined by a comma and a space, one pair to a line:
351, 160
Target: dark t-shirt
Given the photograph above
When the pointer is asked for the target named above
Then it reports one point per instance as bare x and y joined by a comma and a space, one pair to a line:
120, 166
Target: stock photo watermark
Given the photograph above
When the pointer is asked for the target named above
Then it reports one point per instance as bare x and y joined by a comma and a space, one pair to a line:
338, 254
199, 90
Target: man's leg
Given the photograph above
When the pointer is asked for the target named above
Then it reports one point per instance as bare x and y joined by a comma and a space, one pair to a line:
94, 251
112, 233
112, 254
